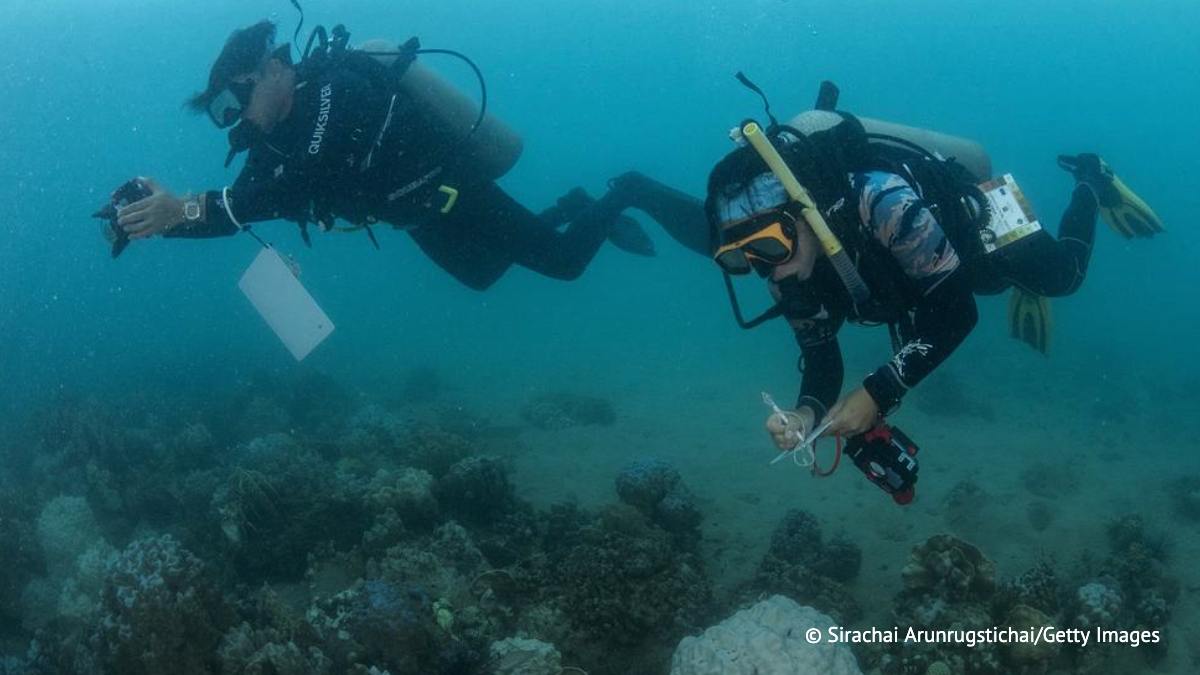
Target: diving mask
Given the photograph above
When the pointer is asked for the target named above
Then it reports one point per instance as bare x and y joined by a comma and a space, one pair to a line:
225, 109
763, 240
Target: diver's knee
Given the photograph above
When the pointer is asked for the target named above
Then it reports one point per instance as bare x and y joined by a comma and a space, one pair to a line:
479, 283
569, 272
1059, 286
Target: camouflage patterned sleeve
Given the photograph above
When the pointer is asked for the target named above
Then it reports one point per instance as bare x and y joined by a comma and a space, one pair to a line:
900, 222
945, 313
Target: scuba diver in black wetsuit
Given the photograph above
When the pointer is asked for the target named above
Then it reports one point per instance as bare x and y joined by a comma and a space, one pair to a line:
358, 135
882, 231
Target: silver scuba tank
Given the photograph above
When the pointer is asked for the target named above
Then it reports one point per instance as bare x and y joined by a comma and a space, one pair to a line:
968, 152
492, 150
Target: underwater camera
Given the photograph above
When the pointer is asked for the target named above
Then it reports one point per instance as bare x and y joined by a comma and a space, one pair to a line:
888, 457
130, 191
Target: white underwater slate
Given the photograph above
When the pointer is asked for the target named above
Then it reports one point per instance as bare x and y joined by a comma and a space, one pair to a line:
283, 302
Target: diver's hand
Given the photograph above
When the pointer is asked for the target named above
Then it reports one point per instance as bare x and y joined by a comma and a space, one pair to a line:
787, 431
853, 415
150, 216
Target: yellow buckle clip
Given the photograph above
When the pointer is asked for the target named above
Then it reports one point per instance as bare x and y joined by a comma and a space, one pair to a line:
451, 197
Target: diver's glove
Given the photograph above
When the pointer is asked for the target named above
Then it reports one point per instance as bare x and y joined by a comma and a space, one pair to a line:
1123, 210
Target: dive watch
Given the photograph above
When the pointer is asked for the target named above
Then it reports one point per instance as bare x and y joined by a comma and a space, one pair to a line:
191, 210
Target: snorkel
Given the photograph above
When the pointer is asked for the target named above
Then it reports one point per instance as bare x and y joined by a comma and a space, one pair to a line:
842, 264
750, 132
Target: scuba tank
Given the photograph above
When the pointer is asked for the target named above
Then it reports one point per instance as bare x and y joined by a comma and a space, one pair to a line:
950, 173
485, 145
491, 149
965, 151
970, 154
444, 124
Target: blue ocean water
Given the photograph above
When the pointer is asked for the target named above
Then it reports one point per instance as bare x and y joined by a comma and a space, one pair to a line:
595, 87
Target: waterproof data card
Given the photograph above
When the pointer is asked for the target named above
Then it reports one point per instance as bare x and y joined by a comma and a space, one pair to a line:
284, 304
1012, 217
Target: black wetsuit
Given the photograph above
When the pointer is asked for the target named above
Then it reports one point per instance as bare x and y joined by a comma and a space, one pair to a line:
917, 281
334, 156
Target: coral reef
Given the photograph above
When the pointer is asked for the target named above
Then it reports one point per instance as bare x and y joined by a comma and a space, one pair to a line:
766, 638
376, 436
444, 564
801, 565
407, 492
373, 430
655, 488
644, 483
435, 450
381, 623
562, 410
1131, 588
948, 583
160, 612
91, 446
624, 586
1038, 587
520, 656
397, 545
279, 502
1097, 604
245, 650
949, 568
1024, 656
285, 537
476, 489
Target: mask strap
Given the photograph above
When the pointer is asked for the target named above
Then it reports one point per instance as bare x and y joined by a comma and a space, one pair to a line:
774, 311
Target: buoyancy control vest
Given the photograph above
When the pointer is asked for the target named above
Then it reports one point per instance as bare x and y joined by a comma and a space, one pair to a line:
944, 183
438, 131
824, 147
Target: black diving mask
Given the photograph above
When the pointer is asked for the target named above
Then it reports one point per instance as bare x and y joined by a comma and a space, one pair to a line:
226, 107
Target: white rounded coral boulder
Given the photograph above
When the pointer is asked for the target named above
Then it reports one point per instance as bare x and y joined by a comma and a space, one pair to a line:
766, 639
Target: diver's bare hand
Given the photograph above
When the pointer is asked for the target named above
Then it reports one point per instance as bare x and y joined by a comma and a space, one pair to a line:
853, 415
150, 216
786, 431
